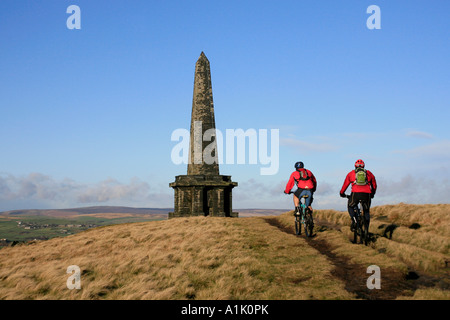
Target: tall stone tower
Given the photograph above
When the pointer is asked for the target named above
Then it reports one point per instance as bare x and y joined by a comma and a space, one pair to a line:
203, 191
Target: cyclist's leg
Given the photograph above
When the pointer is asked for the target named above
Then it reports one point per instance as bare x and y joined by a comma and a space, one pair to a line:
297, 199
352, 202
351, 205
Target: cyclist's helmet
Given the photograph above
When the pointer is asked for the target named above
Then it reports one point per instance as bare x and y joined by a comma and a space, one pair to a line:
299, 165
359, 164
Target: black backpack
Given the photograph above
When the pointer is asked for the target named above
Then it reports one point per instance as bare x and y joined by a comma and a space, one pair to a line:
304, 174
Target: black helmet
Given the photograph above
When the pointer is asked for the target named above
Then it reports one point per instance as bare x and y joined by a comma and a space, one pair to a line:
299, 165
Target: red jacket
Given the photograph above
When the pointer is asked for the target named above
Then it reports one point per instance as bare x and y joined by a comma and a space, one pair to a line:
370, 187
311, 183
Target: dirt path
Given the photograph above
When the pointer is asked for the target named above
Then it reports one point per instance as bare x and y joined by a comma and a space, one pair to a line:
393, 282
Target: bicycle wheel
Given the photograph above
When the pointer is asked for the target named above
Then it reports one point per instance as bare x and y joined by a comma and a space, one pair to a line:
305, 225
311, 224
355, 230
308, 225
360, 230
298, 227
364, 231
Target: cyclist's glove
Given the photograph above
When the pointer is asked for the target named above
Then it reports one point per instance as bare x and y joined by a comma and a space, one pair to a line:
342, 195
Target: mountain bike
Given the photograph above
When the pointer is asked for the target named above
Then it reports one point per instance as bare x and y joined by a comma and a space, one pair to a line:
361, 229
304, 217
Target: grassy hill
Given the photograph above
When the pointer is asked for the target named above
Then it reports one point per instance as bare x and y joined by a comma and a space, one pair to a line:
27, 225
244, 258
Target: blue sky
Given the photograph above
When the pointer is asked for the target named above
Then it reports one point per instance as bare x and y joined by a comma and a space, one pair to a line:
87, 115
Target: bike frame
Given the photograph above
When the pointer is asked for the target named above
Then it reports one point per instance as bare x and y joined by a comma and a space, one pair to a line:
361, 229
358, 216
301, 218
360, 223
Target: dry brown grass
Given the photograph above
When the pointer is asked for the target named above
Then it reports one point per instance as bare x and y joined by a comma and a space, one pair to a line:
340, 244
194, 258
225, 258
424, 249
433, 215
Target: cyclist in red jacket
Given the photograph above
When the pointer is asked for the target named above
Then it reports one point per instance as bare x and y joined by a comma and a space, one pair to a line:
306, 185
364, 187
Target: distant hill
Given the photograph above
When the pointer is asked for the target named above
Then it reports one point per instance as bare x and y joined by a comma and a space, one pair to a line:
86, 210
259, 212
124, 210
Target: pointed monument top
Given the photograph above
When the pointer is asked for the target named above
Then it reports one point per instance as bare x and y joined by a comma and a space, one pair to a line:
203, 56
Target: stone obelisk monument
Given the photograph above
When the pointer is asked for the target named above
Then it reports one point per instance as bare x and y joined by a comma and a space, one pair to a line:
203, 191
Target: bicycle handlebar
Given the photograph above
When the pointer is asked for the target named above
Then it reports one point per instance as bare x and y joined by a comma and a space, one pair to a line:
304, 196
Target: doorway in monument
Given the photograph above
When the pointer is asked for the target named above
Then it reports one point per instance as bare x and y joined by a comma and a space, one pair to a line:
207, 200
227, 202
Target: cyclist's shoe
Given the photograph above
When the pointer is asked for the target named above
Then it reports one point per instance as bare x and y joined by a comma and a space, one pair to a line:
296, 211
353, 226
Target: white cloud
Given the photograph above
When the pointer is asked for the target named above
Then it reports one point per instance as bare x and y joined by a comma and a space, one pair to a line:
419, 134
112, 189
324, 188
40, 191
415, 189
419, 189
438, 149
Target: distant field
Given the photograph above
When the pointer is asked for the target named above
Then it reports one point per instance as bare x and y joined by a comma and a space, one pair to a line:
64, 213
48, 227
27, 225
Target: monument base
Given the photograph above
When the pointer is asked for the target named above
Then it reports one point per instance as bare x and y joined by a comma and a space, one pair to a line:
173, 215
203, 195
